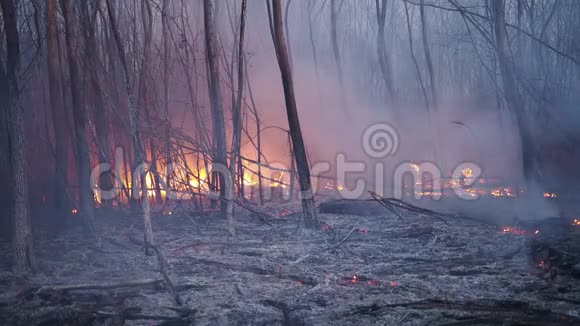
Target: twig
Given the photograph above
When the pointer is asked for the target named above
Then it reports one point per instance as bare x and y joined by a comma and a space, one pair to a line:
343, 240
381, 201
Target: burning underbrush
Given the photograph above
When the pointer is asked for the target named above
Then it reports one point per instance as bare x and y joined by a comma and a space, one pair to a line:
404, 267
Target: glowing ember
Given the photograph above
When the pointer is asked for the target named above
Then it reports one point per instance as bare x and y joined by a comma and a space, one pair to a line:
541, 264
354, 279
537, 232
373, 283
550, 195
74, 211
503, 192
575, 222
339, 187
516, 231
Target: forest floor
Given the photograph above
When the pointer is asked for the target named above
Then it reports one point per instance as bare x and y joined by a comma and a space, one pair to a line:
360, 270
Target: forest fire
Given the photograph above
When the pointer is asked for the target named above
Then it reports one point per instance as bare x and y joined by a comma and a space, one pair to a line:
232, 162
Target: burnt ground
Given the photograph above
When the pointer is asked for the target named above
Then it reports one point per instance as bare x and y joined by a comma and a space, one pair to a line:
361, 270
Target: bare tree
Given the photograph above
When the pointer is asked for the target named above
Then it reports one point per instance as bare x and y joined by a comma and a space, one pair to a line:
237, 113
219, 151
138, 149
384, 62
80, 122
427, 50
308, 205
23, 252
511, 92
59, 119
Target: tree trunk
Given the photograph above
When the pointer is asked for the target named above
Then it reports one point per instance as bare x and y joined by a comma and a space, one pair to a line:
511, 93
138, 149
219, 132
59, 119
80, 123
166, 73
144, 99
237, 116
334, 39
308, 205
312, 43
428, 54
100, 114
384, 62
22, 232
412, 51
286, 11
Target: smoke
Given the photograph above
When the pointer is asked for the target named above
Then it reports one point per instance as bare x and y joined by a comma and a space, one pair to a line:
466, 125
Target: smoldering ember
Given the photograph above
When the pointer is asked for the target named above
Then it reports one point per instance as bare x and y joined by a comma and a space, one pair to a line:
279, 162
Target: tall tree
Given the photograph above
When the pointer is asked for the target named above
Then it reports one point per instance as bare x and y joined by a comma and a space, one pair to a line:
80, 121
100, 111
23, 252
139, 160
308, 205
166, 73
427, 51
217, 112
59, 118
511, 93
237, 114
334, 10
384, 61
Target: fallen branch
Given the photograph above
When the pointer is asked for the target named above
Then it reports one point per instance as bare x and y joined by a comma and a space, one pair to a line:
393, 202
97, 286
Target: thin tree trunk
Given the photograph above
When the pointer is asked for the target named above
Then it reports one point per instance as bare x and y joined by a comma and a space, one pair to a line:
411, 49
144, 93
219, 132
100, 114
308, 205
428, 54
511, 93
22, 233
254, 111
166, 73
335, 50
384, 62
286, 11
138, 149
80, 123
312, 43
237, 116
59, 119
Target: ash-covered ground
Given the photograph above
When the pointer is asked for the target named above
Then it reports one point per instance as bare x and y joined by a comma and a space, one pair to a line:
360, 270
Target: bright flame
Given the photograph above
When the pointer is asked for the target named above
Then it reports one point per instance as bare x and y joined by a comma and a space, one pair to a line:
74, 211
199, 180
468, 172
550, 195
